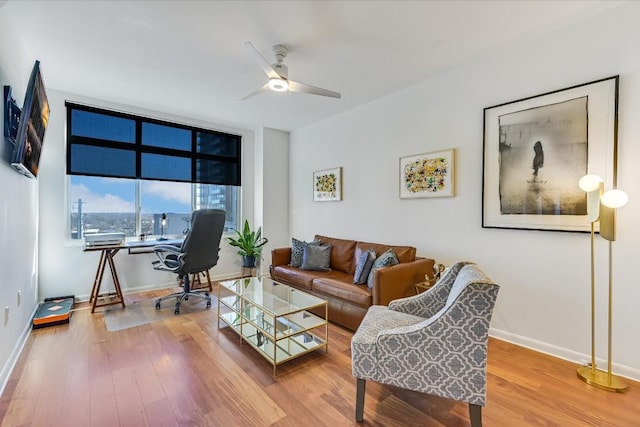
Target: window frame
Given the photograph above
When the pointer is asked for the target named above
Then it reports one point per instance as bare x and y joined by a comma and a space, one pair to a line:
140, 148
138, 210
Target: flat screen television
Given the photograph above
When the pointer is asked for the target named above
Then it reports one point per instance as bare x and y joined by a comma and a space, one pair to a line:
34, 119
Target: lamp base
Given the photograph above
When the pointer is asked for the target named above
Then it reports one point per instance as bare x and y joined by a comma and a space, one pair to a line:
600, 379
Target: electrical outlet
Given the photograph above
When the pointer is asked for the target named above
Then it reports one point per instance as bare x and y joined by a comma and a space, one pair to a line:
6, 315
19, 298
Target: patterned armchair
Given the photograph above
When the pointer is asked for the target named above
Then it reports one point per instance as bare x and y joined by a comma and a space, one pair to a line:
434, 342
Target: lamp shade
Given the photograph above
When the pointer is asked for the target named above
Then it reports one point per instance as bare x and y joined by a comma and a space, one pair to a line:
590, 182
614, 199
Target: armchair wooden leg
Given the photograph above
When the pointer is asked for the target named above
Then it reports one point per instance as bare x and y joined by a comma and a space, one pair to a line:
360, 386
475, 413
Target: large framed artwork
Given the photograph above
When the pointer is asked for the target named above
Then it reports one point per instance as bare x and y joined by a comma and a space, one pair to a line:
427, 175
536, 150
327, 185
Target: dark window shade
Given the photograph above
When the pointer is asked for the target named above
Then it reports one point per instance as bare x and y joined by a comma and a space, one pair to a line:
100, 126
212, 170
109, 143
102, 161
171, 168
166, 137
220, 144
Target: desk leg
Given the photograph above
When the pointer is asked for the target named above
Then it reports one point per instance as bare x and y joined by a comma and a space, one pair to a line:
106, 257
97, 279
95, 291
114, 274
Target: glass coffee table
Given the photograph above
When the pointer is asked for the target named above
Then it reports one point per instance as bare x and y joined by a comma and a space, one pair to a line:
273, 318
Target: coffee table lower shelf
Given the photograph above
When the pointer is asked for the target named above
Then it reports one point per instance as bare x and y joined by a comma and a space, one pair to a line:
285, 349
272, 318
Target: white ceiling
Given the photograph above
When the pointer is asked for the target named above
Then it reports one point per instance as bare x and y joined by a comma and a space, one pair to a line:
188, 58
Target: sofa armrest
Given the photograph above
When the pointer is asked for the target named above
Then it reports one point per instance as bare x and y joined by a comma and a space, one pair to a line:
399, 280
280, 256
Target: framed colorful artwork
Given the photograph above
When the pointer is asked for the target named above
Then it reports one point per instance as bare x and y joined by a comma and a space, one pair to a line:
327, 185
427, 175
536, 150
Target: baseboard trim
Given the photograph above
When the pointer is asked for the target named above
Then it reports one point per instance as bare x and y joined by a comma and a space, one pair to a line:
563, 353
8, 368
127, 291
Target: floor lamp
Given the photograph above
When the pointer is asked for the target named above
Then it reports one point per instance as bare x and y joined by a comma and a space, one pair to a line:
602, 207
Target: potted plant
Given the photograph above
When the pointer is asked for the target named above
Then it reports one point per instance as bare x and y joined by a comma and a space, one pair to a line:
249, 244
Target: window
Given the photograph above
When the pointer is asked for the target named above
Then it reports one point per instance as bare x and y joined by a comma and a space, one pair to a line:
127, 172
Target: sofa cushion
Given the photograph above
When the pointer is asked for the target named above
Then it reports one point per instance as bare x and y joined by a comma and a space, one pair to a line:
387, 259
297, 247
404, 253
363, 267
341, 253
303, 278
341, 288
316, 257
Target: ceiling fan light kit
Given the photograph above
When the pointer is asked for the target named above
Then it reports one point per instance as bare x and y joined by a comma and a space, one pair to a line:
278, 74
278, 84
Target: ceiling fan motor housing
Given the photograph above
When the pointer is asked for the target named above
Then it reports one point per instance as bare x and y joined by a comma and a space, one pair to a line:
281, 69
280, 51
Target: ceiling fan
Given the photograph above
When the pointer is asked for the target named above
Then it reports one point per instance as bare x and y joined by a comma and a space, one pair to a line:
278, 74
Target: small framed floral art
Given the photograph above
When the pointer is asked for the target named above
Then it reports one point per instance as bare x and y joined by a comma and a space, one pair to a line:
427, 175
327, 185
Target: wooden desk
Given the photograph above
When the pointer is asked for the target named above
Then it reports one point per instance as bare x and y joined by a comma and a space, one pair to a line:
106, 257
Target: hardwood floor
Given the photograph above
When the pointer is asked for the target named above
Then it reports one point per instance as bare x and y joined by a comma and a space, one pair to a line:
186, 371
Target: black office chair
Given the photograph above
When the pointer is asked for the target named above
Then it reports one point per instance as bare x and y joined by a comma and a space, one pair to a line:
198, 253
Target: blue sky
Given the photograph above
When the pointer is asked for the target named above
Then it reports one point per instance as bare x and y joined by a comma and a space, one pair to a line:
118, 195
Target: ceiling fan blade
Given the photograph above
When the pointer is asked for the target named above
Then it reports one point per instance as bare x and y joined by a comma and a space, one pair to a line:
304, 88
264, 88
264, 64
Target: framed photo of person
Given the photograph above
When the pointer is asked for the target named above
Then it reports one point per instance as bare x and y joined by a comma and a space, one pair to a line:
536, 149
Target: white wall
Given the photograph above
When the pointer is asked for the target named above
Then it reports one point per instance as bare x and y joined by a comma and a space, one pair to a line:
18, 215
544, 299
64, 268
271, 195
275, 184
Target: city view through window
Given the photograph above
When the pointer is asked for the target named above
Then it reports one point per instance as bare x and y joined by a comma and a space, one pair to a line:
136, 207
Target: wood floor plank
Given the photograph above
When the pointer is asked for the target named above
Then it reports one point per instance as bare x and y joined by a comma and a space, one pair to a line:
186, 371
130, 406
159, 413
148, 384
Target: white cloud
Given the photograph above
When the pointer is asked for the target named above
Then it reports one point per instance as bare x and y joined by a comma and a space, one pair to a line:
176, 191
93, 202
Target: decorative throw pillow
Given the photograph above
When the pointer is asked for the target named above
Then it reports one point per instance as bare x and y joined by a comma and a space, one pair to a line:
387, 259
316, 257
363, 267
297, 247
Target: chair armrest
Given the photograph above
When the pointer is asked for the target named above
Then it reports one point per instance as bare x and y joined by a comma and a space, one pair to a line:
399, 280
167, 248
280, 256
170, 258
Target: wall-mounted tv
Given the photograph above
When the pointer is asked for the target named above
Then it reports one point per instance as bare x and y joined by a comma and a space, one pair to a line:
32, 126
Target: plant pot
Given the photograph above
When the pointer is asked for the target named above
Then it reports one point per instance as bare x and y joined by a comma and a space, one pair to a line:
249, 261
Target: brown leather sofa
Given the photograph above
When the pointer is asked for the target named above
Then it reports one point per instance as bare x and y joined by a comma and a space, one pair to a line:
348, 303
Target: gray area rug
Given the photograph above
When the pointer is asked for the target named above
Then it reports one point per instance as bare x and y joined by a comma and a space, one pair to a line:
143, 312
